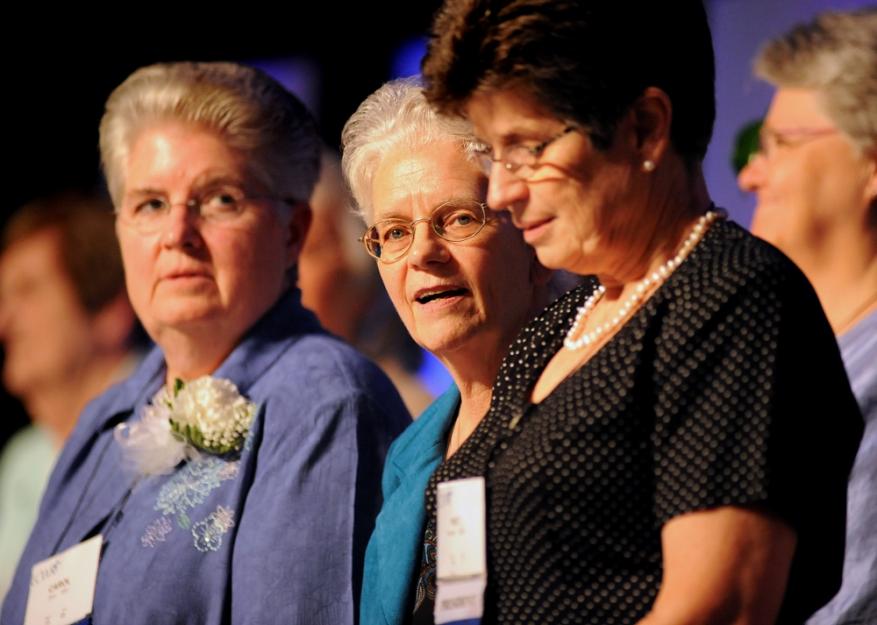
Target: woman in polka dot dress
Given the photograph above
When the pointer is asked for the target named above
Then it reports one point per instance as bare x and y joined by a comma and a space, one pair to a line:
661, 446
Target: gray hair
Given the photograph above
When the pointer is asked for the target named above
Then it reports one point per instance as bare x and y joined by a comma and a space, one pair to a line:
836, 55
395, 115
252, 112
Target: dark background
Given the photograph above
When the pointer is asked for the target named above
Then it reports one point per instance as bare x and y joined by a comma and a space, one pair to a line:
59, 70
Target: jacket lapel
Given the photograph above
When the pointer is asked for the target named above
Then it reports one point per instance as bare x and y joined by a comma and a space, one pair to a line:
89, 480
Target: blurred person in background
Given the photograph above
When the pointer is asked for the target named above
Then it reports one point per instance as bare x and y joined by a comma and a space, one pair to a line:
234, 477
815, 178
342, 286
67, 331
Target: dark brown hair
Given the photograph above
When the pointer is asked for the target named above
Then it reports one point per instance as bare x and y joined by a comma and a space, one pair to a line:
89, 250
588, 62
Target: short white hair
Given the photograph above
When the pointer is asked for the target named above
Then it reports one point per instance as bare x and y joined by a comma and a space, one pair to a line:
247, 108
395, 115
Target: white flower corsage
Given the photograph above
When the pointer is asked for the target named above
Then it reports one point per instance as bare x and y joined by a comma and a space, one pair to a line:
207, 414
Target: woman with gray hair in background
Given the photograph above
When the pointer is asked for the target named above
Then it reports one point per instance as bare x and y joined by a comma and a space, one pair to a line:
816, 181
234, 477
464, 283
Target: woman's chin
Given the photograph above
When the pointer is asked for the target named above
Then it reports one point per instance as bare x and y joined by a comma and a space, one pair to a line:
190, 319
555, 257
445, 345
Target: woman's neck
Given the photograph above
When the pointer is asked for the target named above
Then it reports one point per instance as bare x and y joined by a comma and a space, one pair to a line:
190, 355
843, 271
675, 200
474, 378
621, 294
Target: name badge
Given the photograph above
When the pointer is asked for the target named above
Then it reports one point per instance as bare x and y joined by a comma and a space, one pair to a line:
461, 569
62, 587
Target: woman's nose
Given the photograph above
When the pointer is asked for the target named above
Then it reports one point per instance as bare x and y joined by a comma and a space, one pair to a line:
751, 177
426, 246
505, 189
181, 226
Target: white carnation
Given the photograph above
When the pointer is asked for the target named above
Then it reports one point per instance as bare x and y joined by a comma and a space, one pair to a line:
207, 413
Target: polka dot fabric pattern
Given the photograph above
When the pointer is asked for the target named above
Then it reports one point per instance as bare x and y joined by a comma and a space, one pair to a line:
725, 388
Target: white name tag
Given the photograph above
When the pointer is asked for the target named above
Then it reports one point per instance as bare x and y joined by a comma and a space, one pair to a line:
62, 587
459, 602
461, 570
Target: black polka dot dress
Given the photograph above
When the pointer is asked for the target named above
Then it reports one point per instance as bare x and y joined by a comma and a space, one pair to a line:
725, 388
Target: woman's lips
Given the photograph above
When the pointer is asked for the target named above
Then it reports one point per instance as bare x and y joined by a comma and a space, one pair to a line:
185, 273
430, 296
437, 301
533, 231
183, 278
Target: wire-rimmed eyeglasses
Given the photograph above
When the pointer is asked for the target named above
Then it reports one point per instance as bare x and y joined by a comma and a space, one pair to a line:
149, 213
519, 159
771, 139
455, 220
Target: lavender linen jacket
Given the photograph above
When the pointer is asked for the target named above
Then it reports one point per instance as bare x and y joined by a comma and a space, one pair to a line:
275, 534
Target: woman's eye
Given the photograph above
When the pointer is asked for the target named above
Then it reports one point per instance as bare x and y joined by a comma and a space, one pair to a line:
457, 219
530, 149
222, 202
152, 205
395, 234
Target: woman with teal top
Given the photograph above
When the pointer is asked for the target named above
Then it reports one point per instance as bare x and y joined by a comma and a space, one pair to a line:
464, 283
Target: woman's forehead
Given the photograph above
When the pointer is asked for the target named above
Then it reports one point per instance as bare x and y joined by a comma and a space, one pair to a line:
175, 153
419, 179
508, 115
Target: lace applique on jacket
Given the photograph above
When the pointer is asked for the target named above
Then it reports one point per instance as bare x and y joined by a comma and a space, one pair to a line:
187, 489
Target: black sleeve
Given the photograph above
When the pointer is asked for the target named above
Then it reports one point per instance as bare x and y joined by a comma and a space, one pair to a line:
754, 408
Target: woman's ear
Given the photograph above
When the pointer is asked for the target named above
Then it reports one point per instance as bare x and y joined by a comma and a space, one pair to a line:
297, 230
652, 117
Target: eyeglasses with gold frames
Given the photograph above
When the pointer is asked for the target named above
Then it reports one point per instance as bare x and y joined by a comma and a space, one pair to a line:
389, 240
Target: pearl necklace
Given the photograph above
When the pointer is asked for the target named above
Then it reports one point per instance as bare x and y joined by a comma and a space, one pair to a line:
657, 277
